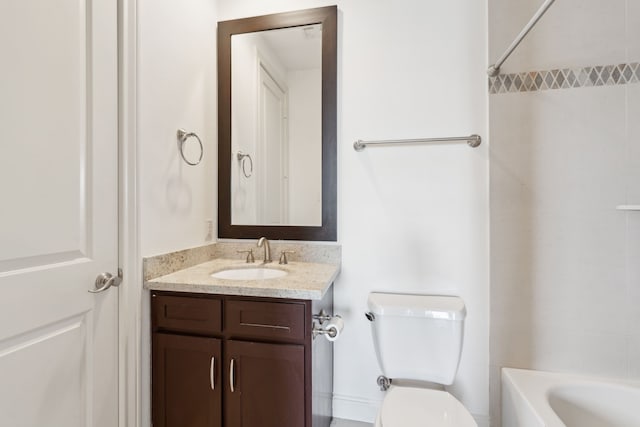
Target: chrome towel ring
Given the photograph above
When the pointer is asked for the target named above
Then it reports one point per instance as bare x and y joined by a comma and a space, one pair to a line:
183, 136
242, 157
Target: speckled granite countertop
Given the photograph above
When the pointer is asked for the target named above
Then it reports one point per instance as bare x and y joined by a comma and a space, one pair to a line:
305, 280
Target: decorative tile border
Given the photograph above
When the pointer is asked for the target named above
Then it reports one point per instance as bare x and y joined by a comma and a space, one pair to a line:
602, 75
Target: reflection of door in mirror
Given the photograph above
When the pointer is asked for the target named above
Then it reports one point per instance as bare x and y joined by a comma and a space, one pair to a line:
272, 148
276, 116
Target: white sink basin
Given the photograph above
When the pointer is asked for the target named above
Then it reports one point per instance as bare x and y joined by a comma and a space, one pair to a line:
251, 273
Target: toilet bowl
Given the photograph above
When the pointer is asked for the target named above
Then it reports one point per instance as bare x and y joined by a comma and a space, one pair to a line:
418, 338
416, 407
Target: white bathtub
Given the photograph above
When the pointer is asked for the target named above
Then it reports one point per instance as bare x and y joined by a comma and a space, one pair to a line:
544, 399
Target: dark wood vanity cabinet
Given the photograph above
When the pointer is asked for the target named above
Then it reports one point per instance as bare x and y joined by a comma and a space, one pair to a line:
227, 361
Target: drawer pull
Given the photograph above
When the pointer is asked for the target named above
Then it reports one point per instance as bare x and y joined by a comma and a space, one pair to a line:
260, 325
232, 372
212, 373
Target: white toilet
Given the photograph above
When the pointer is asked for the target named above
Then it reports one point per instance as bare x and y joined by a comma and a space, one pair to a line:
418, 338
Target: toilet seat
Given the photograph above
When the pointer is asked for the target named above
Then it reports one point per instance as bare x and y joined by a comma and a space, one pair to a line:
417, 407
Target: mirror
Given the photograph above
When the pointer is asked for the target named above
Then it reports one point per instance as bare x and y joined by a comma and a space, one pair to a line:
276, 134
277, 126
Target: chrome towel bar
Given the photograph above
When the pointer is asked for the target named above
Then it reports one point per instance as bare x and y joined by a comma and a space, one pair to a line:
472, 140
494, 69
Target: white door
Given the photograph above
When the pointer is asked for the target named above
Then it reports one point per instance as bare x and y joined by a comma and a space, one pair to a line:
58, 213
273, 152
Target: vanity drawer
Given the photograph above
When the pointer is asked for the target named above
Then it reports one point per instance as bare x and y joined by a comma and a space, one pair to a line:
186, 314
265, 319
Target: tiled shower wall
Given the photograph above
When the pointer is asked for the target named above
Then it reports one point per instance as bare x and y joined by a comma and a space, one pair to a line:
564, 152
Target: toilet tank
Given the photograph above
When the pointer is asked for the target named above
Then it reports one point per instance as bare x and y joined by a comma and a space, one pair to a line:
417, 337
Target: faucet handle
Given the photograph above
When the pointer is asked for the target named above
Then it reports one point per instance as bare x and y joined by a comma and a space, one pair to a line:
250, 257
283, 256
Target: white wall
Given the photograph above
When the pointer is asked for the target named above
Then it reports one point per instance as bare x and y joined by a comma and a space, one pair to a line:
176, 89
411, 219
565, 281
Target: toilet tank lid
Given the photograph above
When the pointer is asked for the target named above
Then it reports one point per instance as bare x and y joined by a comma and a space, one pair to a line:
412, 305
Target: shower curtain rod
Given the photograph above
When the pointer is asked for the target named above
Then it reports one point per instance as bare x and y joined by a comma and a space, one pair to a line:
494, 69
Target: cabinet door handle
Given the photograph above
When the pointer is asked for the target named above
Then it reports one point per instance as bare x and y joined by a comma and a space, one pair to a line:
212, 373
232, 374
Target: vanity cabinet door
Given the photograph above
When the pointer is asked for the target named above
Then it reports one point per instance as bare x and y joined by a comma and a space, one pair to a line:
187, 382
265, 385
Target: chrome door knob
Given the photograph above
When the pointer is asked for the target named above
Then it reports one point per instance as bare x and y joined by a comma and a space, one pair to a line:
106, 280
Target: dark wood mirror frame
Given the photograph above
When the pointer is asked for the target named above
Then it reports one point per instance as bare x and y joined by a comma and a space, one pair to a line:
327, 16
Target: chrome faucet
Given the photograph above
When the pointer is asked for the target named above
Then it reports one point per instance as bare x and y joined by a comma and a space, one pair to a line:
267, 249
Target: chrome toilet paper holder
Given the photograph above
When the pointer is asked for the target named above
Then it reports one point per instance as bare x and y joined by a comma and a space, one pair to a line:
323, 318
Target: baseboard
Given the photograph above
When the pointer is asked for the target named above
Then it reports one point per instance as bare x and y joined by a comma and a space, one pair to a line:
481, 420
337, 422
355, 408
365, 410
